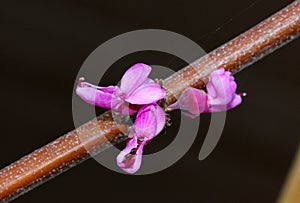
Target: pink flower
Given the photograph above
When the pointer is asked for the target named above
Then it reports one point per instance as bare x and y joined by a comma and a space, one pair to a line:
138, 93
150, 120
221, 89
220, 95
135, 90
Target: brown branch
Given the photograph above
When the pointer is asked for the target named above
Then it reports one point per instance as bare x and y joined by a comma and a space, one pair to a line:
69, 150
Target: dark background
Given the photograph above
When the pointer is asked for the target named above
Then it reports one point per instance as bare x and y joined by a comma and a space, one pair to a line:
44, 43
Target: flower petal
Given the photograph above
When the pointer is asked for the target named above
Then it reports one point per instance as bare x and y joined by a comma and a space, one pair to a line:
119, 105
149, 122
237, 100
221, 87
145, 124
95, 95
221, 92
147, 93
130, 159
134, 77
124, 108
160, 119
192, 102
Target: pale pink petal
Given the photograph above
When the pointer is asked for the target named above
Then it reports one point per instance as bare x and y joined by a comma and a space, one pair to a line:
145, 124
221, 87
109, 89
119, 105
134, 77
160, 119
149, 122
147, 93
215, 108
117, 100
192, 102
95, 95
124, 108
130, 158
237, 100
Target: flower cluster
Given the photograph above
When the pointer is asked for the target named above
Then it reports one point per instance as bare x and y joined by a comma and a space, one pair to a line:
139, 94
220, 96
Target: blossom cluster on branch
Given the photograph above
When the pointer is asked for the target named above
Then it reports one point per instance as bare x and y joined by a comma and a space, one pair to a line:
139, 95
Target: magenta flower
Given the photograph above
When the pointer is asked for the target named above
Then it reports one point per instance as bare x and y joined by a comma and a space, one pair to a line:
220, 95
138, 93
150, 120
221, 89
135, 90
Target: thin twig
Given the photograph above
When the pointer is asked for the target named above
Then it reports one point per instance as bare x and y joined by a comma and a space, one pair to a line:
69, 150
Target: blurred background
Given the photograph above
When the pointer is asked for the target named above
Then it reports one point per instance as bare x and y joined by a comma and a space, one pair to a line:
43, 45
